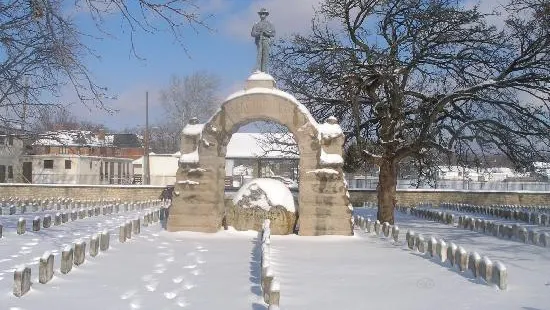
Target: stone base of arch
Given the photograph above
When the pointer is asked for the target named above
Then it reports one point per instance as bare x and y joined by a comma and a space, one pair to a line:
198, 199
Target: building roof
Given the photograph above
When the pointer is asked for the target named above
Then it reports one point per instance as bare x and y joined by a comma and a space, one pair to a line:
87, 138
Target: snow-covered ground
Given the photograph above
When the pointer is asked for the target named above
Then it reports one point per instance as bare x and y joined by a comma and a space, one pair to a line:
184, 270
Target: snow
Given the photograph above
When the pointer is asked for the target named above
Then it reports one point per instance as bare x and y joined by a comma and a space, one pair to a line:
260, 76
276, 194
190, 158
188, 182
329, 131
324, 171
193, 129
161, 270
330, 159
275, 92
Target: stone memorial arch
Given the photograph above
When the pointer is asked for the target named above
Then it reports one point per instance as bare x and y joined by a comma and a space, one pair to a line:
198, 200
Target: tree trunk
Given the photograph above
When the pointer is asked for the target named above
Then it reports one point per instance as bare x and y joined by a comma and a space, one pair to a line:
387, 182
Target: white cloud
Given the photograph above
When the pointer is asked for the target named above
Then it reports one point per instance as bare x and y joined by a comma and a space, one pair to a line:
288, 16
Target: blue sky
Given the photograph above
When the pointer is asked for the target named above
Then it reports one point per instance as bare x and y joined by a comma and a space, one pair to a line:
227, 51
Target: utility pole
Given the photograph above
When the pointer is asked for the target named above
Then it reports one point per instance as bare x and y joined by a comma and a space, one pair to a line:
25, 102
146, 170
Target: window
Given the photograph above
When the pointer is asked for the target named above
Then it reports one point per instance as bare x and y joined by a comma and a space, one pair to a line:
360, 183
10, 172
48, 164
47, 150
67, 164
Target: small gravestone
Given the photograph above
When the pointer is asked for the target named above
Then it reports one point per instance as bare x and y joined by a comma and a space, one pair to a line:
79, 253
500, 275
386, 229
362, 223
522, 234
136, 226
128, 229
104, 238
531, 236
144, 221
370, 226
47, 221
21, 281
74, 215
543, 238
451, 252
420, 244
377, 227
441, 249
461, 259
66, 260
21, 226
274, 292
1, 228
410, 239
64, 217
45, 268
473, 263
503, 230
94, 246
496, 229
432, 245
486, 269
266, 282
122, 233
36, 222
57, 219
394, 233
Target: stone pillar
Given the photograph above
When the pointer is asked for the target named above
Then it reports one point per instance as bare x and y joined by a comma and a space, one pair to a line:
36, 222
21, 226
410, 239
21, 281
94, 245
104, 240
522, 234
47, 221
500, 275
64, 217
420, 244
66, 260
266, 282
79, 252
473, 263
370, 226
45, 268
144, 221
74, 215
386, 229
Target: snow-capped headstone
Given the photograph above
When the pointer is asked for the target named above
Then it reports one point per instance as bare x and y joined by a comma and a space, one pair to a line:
66, 260
500, 275
47, 221
474, 260
544, 238
94, 245
45, 268
486, 269
461, 259
36, 223
441, 249
451, 252
122, 233
21, 226
79, 252
21, 281
395, 233
432, 245
522, 234
377, 227
104, 239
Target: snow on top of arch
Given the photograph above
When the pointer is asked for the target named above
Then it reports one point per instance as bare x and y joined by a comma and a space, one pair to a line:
260, 76
276, 92
193, 129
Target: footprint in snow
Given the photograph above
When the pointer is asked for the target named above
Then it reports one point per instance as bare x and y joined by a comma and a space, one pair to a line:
196, 272
177, 280
127, 294
5, 260
188, 286
170, 295
190, 266
181, 302
170, 259
135, 304
151, 287
147, 277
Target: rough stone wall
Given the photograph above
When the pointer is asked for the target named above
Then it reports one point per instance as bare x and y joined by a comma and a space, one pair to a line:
37, 191
478, 198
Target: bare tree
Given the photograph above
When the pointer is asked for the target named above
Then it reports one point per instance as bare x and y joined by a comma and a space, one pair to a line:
44, 49
420, 78
195, 95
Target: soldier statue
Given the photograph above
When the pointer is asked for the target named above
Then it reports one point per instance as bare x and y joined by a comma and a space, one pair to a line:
263, 31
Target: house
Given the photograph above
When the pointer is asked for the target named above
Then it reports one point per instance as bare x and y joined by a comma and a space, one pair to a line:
11, 149
88, 143
76, 169
247, 156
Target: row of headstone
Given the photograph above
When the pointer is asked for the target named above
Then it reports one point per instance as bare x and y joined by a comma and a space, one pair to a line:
374, 227
70, 255
537, 215
16, 206
271, 289
61, 218
491, 228
456, 256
